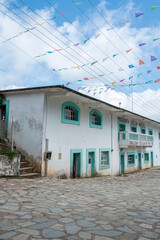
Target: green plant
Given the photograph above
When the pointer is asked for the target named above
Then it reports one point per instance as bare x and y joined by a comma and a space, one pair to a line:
2, 99
9, 153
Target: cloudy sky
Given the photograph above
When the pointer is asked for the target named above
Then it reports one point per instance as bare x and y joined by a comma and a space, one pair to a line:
67, 43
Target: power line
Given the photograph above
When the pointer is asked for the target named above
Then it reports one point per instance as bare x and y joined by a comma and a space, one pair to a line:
34, 34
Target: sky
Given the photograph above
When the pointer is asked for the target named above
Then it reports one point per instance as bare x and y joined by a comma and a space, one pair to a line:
84, 47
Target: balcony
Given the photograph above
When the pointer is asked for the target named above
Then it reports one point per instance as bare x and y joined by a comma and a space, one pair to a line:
127, 139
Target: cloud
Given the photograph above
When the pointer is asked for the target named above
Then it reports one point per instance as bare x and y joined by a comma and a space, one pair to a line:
19, 69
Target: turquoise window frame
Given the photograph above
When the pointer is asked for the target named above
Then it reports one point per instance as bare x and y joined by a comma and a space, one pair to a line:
133, 164
124, 124
72, 151
104, 150
142, 128
99, 114
148, 157
87, 151
132, 125
6, 103
151, 131
75, 108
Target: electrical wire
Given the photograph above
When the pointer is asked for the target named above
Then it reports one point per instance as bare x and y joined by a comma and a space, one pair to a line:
12, 19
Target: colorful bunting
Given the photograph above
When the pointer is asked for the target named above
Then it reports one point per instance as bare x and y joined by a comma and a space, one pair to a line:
141, 62
130, 66
63, 13
115, 55
139, 74
142, 44
122, 80
94, 63
155, 39
113, 83
127, 51
86, 40
158, 80
86, 79
154, 7
138, 14
153, 58
130, 77
124, 22
158, 67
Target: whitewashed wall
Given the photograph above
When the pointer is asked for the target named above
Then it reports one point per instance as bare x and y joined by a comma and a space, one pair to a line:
64, 137
27, 112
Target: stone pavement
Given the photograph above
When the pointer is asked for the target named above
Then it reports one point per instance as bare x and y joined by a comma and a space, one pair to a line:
104, 208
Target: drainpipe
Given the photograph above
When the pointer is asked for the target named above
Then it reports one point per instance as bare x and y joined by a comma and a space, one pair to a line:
111, 161
46, 160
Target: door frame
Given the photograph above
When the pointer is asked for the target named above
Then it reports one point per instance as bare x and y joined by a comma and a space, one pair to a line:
151, 152
72, 151
121, 153
87, 152
138, 159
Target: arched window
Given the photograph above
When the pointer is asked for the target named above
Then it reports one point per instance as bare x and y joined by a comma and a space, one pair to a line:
95, 119
70, 113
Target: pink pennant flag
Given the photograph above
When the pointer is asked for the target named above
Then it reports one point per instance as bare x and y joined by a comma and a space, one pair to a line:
122, 80
127, 51
124, 22
158, 80
158, 67
63, 13
86, 79
79, 88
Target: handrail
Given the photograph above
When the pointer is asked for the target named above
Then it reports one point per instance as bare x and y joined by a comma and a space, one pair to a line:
128, 135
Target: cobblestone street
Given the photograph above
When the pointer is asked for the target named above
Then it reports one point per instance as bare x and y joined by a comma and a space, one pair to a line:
104, 208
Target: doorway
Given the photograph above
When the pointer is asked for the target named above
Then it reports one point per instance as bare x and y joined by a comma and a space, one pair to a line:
76, 163
139, 160
91, 162
122, 163
152, 163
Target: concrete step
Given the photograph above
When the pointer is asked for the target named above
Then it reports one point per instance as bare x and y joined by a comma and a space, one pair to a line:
30, 175
24, 164
25, 170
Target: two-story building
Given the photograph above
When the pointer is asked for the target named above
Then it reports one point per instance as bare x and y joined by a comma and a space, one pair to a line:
81, 135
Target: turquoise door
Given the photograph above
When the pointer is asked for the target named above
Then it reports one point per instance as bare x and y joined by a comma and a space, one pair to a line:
122, 163
76, 165
152, 159
139, 160
92, 163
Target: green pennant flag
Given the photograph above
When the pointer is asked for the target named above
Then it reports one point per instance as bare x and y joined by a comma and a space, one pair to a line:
139, 74
87, 40
154, 7
155, 39
94, 63
100, 92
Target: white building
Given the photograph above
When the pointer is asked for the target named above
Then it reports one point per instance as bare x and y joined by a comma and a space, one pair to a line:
85, 136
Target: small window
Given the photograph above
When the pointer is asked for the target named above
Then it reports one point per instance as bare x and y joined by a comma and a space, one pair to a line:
95, 119
131, 159
70, 113
150, 131
143, 130
146, 157
133, 128
104, 158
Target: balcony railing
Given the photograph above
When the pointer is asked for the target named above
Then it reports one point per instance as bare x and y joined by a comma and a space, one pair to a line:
127, 139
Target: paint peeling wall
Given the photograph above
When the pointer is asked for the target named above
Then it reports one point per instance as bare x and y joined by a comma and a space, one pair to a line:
26, 111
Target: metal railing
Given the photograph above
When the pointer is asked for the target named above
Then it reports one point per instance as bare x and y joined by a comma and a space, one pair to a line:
135, 136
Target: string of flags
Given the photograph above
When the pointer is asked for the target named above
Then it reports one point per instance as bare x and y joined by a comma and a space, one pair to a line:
107, 87
19, 34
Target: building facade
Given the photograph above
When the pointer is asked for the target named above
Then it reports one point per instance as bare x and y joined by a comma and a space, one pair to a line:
68, 133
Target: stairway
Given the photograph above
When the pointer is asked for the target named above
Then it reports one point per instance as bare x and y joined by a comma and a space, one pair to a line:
26, 170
